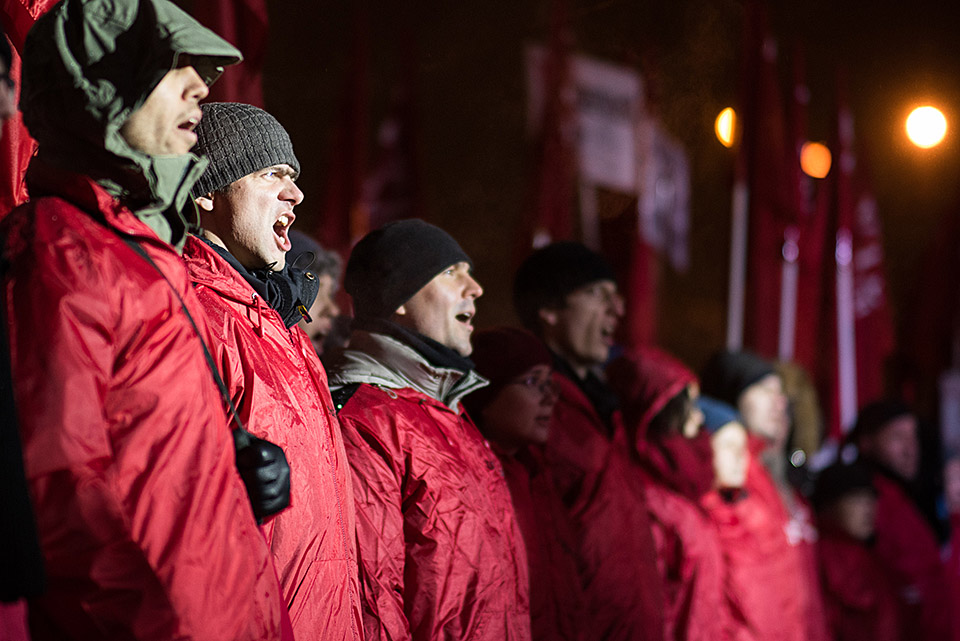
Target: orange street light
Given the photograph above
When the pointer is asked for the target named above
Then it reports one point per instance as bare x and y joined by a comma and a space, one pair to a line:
725, 126
926, 127
815, 159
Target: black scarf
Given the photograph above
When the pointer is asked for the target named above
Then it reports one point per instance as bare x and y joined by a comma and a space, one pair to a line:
437, 354
603, 399
290, 291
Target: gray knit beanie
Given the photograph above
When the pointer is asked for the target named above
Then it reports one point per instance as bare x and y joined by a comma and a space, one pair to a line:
239, 139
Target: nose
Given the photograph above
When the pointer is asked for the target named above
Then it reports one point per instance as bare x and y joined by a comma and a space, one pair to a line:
473, 289
195, 89
616, 305
291, 193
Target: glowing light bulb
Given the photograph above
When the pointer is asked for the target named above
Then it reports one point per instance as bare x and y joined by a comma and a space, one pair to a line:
815, 159
926, 127
725, 126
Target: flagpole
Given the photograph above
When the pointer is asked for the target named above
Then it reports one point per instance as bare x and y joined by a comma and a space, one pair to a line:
789, 282
846, 331
738, 265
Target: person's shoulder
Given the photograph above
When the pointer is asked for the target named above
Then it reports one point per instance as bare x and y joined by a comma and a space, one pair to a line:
366, 399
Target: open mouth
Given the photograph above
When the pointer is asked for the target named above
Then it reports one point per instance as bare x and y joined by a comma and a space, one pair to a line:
281, 230
466, 318
190, 123
606, 334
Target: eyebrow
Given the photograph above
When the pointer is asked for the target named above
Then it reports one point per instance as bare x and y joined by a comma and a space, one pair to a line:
283, 170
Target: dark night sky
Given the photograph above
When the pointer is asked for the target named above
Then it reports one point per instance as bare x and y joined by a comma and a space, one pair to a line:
471, 109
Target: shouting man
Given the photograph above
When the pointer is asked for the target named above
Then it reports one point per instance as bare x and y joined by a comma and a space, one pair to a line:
254, 301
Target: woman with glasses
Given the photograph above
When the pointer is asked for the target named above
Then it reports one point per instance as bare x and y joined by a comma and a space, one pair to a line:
515, 413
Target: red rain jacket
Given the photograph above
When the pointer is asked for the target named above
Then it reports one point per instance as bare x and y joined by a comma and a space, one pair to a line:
907, 548
604, 498
767, 575
861, 603
280, 390
557, 602
145, 525
441, 555
678, 471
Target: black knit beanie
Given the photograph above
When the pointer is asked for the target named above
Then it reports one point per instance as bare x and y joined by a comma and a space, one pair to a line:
874, 416
840, 479
239, 139
391, 264
727, 374
549, 274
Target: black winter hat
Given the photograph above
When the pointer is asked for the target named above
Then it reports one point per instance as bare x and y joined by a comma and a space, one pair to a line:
549, 274
239, 139
840, 479
874, 416
391, 264
727, 374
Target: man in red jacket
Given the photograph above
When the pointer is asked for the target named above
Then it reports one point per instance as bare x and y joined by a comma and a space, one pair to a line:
144, 524
441, 555
253, 301
567, 295
886, 436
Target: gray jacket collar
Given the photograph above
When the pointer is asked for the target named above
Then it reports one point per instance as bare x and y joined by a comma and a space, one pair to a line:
384, 361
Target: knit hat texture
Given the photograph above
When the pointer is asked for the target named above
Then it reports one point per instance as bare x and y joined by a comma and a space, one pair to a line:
501, 354
716, 413
727, 374
549, 274
391, 264
239, 139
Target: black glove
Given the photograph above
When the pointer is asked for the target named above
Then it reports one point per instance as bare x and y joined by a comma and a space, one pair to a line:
266, 473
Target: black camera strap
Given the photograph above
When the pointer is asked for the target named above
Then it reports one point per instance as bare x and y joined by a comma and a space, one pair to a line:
241, 437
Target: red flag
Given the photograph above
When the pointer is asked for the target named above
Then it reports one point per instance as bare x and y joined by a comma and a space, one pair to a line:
550, 214
764, 157
803, 242
244, 24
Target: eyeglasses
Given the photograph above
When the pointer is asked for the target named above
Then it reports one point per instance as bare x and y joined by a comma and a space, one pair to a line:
544, 385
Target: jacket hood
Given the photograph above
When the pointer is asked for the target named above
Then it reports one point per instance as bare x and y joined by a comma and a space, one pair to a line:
87, 66
645, 381
381, 360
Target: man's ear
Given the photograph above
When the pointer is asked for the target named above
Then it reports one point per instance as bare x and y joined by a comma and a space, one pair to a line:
401, 311
548, 316
205, 202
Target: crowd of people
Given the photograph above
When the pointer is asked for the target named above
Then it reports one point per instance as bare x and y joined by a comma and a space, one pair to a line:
180, 464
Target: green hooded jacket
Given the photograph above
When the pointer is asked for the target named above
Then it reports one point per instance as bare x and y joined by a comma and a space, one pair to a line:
105, 58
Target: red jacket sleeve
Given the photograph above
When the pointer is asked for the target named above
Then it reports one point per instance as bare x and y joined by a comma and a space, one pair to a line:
376, 459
